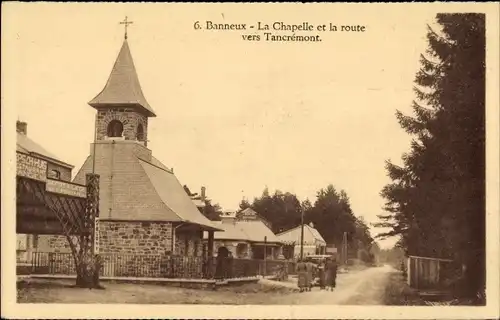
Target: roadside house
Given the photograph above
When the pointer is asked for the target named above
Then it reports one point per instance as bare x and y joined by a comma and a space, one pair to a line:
247, 236
313, 241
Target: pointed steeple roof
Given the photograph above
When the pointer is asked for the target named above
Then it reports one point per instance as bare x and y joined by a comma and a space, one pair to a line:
123, 87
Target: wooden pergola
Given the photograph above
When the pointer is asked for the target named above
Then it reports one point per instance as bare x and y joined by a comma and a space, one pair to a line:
48, 206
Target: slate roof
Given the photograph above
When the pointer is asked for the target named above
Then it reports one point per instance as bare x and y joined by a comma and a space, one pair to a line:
30, 147
123, 87
231, 232
143, 192
158, 163
311, 235
172, 194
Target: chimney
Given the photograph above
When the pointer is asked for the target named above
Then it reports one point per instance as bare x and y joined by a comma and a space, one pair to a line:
203, 189
22, 127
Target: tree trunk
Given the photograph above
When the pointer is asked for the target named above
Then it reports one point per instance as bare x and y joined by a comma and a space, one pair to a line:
88, 272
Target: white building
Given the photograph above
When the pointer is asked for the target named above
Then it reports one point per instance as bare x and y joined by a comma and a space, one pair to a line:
247, 236
313, 242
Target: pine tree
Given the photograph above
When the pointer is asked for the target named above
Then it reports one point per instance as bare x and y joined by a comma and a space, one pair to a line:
436, 202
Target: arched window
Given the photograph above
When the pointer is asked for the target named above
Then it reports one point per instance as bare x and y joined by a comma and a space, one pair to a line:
115, 129
140, 132
54, 174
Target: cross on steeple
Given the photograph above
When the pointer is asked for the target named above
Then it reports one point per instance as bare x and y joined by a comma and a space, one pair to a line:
126, 23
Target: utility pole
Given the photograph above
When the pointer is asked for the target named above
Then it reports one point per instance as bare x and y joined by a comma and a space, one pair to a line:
301, 234
344, 247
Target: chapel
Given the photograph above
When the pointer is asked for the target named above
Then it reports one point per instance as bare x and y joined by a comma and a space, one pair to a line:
143, 207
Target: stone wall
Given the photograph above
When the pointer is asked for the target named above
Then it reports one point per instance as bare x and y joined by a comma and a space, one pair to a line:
140, 238
128, 117
152, 238
128, 248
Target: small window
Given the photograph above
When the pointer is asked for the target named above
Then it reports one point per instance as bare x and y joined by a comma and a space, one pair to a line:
115, 129
241, 250
54, 174
140, 133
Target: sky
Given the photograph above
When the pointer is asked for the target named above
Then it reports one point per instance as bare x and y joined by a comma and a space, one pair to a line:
234, 116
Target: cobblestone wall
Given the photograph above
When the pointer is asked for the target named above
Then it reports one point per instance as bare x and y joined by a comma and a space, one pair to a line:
142, 238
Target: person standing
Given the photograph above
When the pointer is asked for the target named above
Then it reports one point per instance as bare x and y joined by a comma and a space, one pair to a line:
310, 274
301, 269
221, 264
321, 275
331, 273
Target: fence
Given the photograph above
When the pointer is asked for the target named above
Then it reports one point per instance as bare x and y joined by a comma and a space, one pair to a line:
431, 273
159, 266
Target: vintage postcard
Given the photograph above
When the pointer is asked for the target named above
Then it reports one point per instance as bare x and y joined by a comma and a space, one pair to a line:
241, 160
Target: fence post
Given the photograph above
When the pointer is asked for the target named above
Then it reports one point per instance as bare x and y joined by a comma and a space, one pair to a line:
409, 272
33, 259
51, 262
417, 272
438, 272
265, 256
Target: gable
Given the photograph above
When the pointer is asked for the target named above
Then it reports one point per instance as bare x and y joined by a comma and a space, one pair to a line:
311, 235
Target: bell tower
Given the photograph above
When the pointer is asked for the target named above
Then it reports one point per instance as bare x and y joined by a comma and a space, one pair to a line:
122, 109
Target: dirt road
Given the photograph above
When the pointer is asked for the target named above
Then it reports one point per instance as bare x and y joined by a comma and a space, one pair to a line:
364, 287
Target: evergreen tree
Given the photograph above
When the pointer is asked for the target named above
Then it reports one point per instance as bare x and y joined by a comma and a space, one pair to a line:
211, 211
331, 215
436, 202
282, 210
244, 204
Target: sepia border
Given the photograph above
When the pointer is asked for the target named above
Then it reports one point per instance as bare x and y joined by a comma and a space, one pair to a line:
10, 309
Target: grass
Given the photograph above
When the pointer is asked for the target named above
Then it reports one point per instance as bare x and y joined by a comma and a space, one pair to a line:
63, 291
398, 293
